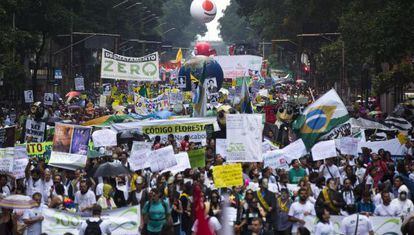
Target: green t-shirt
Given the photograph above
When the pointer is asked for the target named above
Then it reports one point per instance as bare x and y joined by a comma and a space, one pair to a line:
156, 215
296, 175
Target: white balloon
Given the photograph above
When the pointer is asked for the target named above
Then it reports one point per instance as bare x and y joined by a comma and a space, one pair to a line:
203, 10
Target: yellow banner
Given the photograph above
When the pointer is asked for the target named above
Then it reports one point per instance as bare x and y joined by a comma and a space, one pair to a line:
227, 175
38, 148
174, 128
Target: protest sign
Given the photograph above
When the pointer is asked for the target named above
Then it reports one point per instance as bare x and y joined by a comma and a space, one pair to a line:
28, 96
102, 101
197, 158
145, 106
7, 136
239, 65
70, 146
347, 145
275, 159
181, 82
244, 138
295, 150
35, 131
14, 161
221, 147
122, 221
193, 127
104, 138
323, 150
48, 99
380, 224
183, 163
79, 83
393, 146
106, 89
139, 155
39, 149
116, 66
227, 175
161, 159
58, 74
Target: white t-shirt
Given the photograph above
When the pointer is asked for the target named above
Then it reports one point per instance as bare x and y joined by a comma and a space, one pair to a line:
298, 210
34, 186
104, 225
348, 225
213, 223
324, 229
99, 189
85, 200
405, 207
333, 169
46, 190
390, 210
36, 228
6, 191
360, 172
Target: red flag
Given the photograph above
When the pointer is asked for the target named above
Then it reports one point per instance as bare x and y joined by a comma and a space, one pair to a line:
202, 224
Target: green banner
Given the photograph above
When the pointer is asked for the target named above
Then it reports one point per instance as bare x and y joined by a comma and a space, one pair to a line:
197, 158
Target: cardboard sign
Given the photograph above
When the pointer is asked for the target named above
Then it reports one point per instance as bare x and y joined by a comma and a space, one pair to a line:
28, 96
35, 131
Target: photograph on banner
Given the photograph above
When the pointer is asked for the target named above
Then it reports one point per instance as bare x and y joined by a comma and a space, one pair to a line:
323, 150
183, 163
197, 157
28, 96
276, 159
244, 138
227, 175
347, 145
48, 99
35, 131
114, 66
70, 146
161, 159
7, 136
139, 157
106, 89
79, 83
181, 82
295, 150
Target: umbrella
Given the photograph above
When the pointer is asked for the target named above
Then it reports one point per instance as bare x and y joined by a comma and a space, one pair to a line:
17, 201
73, 94
111, 169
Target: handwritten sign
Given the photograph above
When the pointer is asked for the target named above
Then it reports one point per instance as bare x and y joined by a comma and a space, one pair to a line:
323, 150
348, 145
161, 159
35, 131
139, 155
275, 159
227, 175
183, 163
295, 150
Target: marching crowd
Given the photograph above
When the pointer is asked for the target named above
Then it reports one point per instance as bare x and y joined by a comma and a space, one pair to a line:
270, 201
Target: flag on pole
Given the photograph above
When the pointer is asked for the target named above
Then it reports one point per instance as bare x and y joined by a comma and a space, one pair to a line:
200, 106
179, 56
320, 117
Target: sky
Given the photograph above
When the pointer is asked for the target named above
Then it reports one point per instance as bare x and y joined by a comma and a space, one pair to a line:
212, 31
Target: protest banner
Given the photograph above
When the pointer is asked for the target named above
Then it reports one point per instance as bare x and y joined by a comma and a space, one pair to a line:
14, 161
393, 146
145, 106
239, 65
139, 155
275, 159
122, 221
380, 224
161, 159
295, 150
104, 138
195, 128
7, 136
35, 131
79, 83
244, 138
114, 66
48, 99
28, 96
39, 150
70, 146
347, 145
183, 163
227, 175
323, 150
197, 157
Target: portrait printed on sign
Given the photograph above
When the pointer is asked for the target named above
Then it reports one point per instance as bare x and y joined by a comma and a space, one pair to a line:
62, 138
80, 140
210, 85
106, 87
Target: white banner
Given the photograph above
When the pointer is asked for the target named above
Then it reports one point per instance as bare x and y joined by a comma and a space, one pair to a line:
122, 221
295, 150
244, 137
183, 163
48, 99
393, 146
35, 131
102, 101
347, 145
114, 66
104, 138
139, 155
276, 159
79, 83
221, 147
28, 96
323, 150
14, 161
161, 159
239, 65
382, 225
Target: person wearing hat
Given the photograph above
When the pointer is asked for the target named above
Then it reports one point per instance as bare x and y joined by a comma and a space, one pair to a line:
140, 195
403, 203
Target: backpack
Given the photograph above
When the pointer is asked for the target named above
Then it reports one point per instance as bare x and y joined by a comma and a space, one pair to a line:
93, 228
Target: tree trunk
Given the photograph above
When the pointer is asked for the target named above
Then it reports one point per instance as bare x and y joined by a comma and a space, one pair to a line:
37, 65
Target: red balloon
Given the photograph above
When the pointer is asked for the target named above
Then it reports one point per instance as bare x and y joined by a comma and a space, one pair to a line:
203, 48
